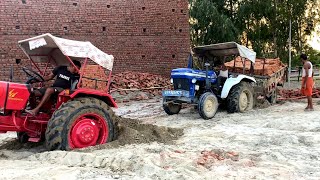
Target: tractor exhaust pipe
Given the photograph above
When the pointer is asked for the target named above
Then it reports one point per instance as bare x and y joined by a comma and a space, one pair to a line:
11, 73
208, 85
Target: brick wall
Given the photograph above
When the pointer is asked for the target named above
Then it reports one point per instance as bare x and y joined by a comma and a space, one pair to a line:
143, 35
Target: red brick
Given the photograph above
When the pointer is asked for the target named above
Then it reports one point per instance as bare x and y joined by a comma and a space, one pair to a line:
124, 37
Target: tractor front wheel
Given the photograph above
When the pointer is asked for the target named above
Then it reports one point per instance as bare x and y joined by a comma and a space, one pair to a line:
208, 105
240, 98
170, 107
80, 123
22, 137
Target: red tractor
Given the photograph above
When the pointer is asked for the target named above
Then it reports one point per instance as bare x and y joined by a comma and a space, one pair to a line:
75, 118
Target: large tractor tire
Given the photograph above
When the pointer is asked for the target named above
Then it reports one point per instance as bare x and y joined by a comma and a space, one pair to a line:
171, 108
80, 123
240, 98
208, 105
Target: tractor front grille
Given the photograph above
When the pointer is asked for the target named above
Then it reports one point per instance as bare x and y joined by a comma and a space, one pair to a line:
181, 84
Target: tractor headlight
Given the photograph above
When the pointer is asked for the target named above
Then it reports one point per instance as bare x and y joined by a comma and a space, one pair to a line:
171, 80
193, 80
197, 87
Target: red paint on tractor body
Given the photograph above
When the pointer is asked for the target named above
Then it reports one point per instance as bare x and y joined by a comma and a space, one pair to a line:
34, 126
18, 95
3, 94
88, 130
101, 94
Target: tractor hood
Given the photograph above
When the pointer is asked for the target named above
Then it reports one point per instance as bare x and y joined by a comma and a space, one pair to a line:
191, 73
58, 48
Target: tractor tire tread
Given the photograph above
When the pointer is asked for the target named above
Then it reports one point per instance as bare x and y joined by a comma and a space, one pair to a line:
175, 109
201, 103
59, 123
234, 97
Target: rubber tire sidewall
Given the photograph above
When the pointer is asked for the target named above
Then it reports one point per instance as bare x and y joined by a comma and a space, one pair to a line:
233, 99
173, 110
70, 115
203, 98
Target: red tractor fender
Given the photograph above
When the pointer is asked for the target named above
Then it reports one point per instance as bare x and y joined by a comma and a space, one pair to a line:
102, 95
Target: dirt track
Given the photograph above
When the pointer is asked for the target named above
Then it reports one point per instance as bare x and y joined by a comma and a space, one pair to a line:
279, 142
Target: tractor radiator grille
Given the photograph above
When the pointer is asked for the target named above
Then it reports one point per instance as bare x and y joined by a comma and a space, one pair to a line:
181, 84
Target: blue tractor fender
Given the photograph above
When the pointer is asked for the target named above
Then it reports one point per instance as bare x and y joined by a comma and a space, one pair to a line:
230, 82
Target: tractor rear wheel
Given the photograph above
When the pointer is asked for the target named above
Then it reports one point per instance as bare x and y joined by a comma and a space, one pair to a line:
80, 123
240, 98
208, 105
171, 108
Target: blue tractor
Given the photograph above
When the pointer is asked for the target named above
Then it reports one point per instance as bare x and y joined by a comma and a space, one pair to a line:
208, 87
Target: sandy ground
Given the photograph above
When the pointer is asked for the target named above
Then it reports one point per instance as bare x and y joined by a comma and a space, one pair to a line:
278, 142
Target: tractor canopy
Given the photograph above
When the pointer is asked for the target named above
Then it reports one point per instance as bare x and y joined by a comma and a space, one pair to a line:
224, 50
46, 47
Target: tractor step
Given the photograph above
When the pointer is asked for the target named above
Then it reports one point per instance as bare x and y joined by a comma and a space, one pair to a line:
34, 139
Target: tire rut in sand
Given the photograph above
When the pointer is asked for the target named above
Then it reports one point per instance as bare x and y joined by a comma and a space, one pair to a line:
132, 131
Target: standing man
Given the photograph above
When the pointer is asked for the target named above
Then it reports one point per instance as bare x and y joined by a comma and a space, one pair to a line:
307, 80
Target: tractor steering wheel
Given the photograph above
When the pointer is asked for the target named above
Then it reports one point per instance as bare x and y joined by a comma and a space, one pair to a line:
33, 76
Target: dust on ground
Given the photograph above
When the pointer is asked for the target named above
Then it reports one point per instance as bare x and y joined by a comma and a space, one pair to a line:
277, 142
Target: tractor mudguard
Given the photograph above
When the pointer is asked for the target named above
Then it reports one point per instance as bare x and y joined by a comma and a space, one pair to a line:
107, 98
230, 82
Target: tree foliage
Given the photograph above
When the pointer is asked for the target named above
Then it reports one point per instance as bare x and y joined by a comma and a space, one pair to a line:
209, 19
260, 24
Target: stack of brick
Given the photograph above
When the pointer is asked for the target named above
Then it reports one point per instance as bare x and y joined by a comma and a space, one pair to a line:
287, 94
262, 67
94, 72
135, 81
125, 82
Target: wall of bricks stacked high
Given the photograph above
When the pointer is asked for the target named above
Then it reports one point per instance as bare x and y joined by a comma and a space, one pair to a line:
143, 35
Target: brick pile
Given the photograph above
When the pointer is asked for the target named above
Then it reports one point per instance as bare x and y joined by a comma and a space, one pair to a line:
262, 67
210, 158
136, 81
125, 82
291, 94
94, 72
147, 36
